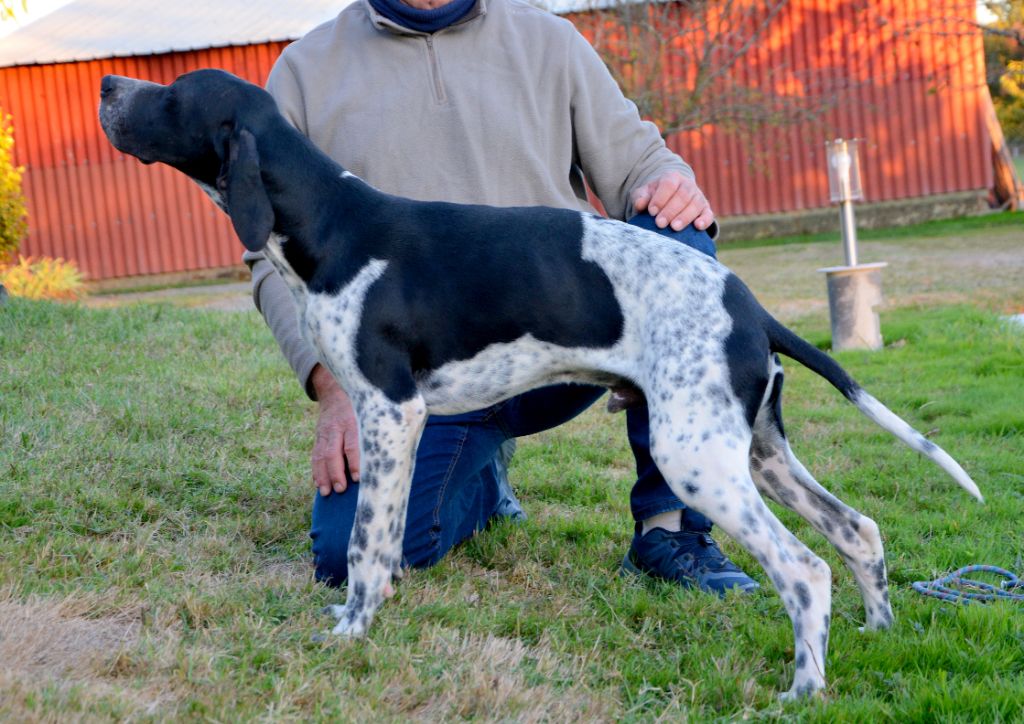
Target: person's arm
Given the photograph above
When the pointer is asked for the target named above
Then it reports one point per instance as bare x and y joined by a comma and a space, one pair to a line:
275, 302
337, 435
270, 294
623, 157
337, 439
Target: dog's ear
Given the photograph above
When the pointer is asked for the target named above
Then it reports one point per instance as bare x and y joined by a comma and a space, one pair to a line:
247, 202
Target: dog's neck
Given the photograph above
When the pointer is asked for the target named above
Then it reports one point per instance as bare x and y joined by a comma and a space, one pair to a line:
310, 247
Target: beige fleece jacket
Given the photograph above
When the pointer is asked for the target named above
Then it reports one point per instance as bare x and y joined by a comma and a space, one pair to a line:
511, 106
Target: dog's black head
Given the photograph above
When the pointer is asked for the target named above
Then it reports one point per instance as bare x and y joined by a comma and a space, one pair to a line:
205, 124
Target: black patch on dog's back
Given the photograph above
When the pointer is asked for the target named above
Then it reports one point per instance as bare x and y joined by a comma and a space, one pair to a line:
461, 278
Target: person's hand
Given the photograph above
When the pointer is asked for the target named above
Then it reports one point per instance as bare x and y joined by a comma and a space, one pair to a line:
337, 435
676, 200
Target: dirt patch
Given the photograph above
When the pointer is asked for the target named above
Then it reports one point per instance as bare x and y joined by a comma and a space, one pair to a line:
48, 638
234, 297
489, 680
982, 269
76, 650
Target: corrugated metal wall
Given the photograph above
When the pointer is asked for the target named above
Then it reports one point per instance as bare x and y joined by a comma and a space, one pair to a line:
87, 202
906, 76
912, 92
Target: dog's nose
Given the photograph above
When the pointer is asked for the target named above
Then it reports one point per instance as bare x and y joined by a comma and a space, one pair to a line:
108, 86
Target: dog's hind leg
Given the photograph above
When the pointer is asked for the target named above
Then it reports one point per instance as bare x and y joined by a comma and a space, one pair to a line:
710, 473
388, 436
782, 477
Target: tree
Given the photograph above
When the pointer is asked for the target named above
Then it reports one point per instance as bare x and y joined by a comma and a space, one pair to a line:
1009, 18
682, 62
9, 8
1004, 59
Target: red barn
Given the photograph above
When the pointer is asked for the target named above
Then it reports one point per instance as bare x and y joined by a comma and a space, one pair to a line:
906, 75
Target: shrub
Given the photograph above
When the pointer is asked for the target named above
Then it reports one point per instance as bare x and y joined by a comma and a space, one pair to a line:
42, 279
1010, 101
13, 217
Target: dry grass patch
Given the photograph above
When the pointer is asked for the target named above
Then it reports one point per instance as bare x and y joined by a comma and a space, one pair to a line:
63, 638
493, 678
83, 652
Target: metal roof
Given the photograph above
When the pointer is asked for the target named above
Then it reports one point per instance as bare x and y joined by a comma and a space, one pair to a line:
88, 30
92, 29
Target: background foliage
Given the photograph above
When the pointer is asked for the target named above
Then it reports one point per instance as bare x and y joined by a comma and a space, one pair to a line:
8, 8
13, 217
1004, 57
42, 279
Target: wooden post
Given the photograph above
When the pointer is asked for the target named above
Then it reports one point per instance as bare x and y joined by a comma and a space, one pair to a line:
1009, 191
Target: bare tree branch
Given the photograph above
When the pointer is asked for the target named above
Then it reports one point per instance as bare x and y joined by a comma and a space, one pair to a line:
1015, 34
681, 62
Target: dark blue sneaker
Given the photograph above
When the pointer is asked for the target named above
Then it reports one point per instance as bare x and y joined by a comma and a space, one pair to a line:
508, 504
688, 558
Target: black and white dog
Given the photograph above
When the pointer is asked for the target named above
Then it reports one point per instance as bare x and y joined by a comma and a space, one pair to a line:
421, 308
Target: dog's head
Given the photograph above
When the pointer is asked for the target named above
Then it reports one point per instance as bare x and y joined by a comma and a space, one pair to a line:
205, 124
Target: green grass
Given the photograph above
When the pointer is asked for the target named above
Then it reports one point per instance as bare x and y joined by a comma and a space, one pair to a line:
154, 562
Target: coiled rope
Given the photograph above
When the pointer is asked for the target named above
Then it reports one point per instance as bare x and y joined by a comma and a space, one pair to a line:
957, 589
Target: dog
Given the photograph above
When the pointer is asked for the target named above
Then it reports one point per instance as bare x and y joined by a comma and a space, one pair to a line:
420, 308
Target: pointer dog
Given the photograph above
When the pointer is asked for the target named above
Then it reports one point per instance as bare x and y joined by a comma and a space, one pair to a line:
421, 308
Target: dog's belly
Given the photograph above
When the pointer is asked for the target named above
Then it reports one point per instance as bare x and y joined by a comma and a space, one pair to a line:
504, 370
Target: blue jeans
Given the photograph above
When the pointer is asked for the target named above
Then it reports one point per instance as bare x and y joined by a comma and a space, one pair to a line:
454, 489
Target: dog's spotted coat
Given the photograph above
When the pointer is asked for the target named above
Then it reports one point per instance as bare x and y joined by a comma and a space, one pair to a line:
440, 308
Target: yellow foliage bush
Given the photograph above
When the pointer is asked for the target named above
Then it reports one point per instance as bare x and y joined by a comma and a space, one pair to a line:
13, 217
42, 279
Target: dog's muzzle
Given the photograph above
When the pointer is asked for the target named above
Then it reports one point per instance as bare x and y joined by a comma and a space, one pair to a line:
116, 96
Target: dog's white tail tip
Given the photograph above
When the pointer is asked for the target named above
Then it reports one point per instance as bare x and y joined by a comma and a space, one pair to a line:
971, 488
888, 420
961, 477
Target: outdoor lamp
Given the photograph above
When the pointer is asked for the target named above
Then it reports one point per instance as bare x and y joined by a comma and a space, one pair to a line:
854, 290
844, 188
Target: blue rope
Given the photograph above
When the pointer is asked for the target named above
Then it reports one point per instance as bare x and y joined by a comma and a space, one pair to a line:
939, 588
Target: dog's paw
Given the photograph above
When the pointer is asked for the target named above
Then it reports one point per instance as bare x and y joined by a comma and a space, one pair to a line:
879, 619
351, 623
351, 628
804, 692
334, 610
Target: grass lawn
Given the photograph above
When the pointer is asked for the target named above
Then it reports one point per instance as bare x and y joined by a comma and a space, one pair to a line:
154, 507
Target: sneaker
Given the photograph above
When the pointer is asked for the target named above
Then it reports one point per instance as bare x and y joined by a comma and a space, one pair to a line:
508, 504
688, 558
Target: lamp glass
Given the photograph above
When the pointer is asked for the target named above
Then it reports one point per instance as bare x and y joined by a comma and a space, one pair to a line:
844, 182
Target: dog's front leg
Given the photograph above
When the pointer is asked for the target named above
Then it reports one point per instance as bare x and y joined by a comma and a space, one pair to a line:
388, 435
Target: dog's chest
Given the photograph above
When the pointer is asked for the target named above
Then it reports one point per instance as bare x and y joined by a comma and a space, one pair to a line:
330, 322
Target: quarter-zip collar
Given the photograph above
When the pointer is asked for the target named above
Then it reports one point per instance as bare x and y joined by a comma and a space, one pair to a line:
440, 94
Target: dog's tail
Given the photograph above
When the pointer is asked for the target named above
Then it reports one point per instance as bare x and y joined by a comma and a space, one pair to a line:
786, 342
